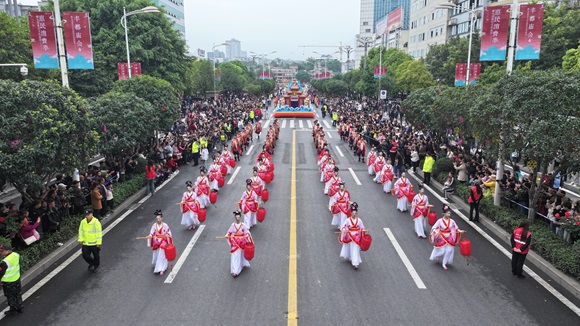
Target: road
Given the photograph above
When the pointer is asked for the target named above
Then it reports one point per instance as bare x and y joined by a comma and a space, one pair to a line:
329, 291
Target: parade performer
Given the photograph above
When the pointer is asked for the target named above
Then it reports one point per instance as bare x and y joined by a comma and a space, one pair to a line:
419, 210
371, 157
333, 184
258, 128
249, 205
238, 236
339, 206
402, 188
189, 207
236, 149
378, 167
257, 183
225, 158
158, 239
444, 235
202, 188
361, 148
327, 172
350, 236
214, 173
387, 176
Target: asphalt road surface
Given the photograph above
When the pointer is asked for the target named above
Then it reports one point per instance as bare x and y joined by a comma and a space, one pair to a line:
329, 291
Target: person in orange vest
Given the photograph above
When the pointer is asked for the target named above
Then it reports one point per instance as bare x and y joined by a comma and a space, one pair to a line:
521, 239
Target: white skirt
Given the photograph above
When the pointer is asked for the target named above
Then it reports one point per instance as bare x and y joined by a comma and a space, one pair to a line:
250, 219
189, 218
238, 262
338, 219
446, 252
371, 170
159, 261
351, 251
214, 185
420, 226
402, 204
378, 177
388, 186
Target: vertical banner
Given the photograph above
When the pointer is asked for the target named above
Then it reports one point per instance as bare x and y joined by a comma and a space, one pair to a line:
136, 68
123, 70
43, 38
327, 75
494, 33
218, 74
474, 72
380, 72
460, 73
529, 37
77, 36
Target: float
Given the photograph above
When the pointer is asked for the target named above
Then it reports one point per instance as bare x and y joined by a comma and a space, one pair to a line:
294, 104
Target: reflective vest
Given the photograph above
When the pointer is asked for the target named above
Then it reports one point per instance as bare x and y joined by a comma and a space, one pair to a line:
90, 233
223, 137
519, 241
203, 142
195, 147
13, 272
252, 114
335, 116
228, 128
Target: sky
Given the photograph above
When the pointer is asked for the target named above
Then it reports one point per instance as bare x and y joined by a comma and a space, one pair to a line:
264, 26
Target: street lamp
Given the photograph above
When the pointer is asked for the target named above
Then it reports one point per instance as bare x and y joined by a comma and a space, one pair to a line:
325, 57
146, 10
23, 68
213, 53
472, 16
263, 56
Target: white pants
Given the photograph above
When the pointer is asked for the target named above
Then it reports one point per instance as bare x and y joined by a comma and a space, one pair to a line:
420, 226
159, 261
189, 218
446, 252
351, 251
238, 262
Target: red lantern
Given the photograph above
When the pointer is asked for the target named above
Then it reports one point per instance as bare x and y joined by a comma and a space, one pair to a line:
411, 195
221, 181
213, 197
265, 195
261, 215
223, 170
232, 163
267, 177
201, 214
249, 251
365, 241
432, 218
170, 252
465, 247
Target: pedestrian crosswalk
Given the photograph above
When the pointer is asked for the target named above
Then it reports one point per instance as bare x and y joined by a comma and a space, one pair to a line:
299, 124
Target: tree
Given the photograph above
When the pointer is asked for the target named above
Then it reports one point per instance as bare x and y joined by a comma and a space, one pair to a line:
441, 58
202, 81
49, 133
232, 79
335, 87
413, 75
571, 61
334, 65
303, 76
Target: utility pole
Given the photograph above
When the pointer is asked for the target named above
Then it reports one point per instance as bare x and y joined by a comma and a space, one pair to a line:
348, 49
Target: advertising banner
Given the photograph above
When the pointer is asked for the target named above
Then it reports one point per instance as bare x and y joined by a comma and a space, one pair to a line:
494, 33
123, 70
136, 68
530, 32
218, 74
474, 71
43, 38
380, 72
381, 27
395, 19
460, 73
77, 36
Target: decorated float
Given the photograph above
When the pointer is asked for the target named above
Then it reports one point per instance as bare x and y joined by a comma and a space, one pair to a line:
294, 104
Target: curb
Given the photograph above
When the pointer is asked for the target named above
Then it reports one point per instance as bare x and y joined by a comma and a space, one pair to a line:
535, 259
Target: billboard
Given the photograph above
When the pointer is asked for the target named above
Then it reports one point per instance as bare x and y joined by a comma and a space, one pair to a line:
395, 19
381, 27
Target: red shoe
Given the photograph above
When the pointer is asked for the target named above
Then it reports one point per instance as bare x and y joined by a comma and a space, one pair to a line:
234, 274
355, 267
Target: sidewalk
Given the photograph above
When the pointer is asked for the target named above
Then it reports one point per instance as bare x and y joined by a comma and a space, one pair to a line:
455, 201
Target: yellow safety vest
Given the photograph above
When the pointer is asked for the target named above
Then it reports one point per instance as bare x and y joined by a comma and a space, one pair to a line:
228, 128
195, 147
252, 114
334, 116
203, 142
222, 137
13, 272
90, 233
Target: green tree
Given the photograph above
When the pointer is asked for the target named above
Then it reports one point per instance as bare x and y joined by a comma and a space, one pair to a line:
334, 65
561, 32
413, 75
232, 77
202, 77
441, 58
303, 76
571, 61
48, 133
335, 87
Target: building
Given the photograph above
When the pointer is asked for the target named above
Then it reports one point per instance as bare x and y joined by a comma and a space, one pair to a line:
234, 51
15, 8
216, 56
284, 75
175, 12
366, 29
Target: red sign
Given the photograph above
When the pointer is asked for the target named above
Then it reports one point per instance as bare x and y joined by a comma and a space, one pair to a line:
327, 74
43, 38
474, 71
530, 32
77, 35
123, 70
395, 19
135, 68
380, 72
218, 74
460, 73
494, 33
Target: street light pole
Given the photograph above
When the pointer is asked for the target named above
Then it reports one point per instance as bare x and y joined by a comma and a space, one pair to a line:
148, 9
60, 43
471, 16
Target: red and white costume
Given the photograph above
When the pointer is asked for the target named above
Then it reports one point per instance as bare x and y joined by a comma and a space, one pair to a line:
350, 237
332, 186
189, 208
444, 236
238, 235
340, 207
371, 158
202, 190
258, 185
387, 176
213, 174
401, 190
249, 207
378, 167
160, 238
419, 211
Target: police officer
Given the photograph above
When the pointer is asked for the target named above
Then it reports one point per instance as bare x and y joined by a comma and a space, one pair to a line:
91, 238
195, 152
10, 277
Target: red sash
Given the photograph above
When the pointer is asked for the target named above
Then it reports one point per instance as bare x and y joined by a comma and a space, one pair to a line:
190, 204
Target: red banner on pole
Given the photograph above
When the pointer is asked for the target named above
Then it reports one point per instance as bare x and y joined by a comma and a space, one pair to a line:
77, 35
327, 74
494, 33
380, 72
123, 70
43, 38
460, 73
474, 71
218, 74
529, 38
136, 68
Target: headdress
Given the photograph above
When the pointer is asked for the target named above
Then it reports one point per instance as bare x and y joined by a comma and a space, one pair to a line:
158, 213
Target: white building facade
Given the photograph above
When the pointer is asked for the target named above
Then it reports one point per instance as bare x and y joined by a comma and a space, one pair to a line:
366, 30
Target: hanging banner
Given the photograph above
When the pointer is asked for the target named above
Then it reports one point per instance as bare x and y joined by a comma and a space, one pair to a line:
474, 72
123, 70
380, 72
43, 38
395, 19
530, 32
77, 36
136, 68
494, 33
218, 74
327, 74
460, 73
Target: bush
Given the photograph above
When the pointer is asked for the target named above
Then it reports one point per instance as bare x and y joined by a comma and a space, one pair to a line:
442, 166
122, 191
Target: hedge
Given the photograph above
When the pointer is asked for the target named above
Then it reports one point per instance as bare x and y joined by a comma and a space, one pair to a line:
69, 226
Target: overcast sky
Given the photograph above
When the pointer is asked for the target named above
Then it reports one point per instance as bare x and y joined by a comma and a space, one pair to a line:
264, 26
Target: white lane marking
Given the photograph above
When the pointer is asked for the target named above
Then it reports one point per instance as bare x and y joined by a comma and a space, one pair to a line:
64, 264
184, 255
405, 260
250, 150
354, 177
144, 199
283, 124
339, 151
291, 124
507, 253
329, 135
309, 124
234, 175
266, 124
300, 124
327, 124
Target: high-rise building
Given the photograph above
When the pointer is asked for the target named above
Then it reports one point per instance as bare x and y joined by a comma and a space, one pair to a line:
15, 8
175, 12
234, 50
366, 29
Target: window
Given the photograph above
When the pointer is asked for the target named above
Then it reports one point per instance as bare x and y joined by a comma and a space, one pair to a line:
365, 23
368, 30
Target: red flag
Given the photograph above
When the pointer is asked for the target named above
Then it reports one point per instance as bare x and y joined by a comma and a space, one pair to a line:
123, 70
529, 38
136, 68
494, 33
474, 71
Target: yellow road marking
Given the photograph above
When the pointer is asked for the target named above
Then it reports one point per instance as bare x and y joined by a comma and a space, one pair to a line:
292, 276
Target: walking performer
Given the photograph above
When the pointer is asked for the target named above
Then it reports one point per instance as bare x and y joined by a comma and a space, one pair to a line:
258, 128
419, 210
387, 176
378, 167
402, 188
189, 207
361, 148
333, 184
202, 188
371, 157
159, 237
339, 206
350, 236
249, 205
257, 183
444, 235
214, 172
238, 235
225, 158
327, 173
322, 163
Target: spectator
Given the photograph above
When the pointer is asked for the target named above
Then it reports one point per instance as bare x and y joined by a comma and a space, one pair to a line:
96, 200
110, 199
449, 185
461, 169
51, 219
489, 185
78, 197
28, 231
150, 175
414, 158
